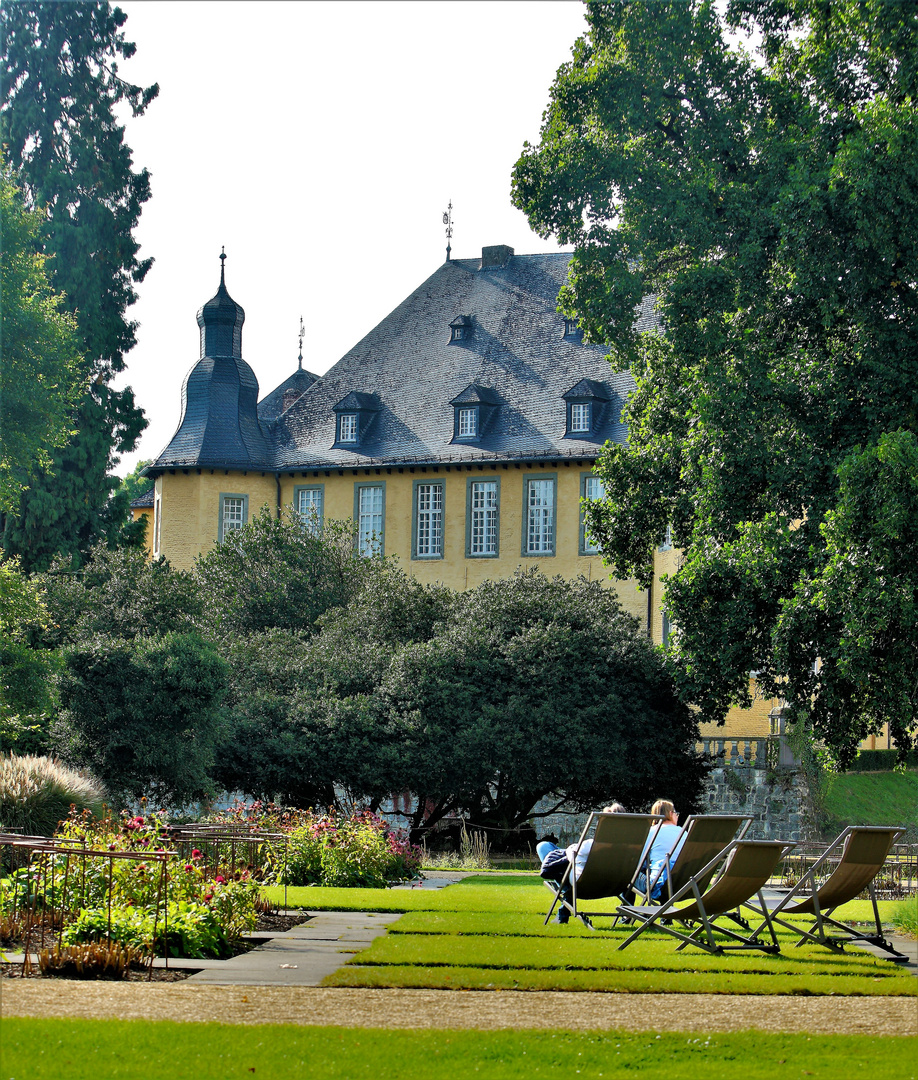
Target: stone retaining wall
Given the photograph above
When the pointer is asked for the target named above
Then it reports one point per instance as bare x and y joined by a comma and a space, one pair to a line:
777, 801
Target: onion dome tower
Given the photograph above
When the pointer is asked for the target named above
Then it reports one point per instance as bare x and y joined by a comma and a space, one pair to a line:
219, 425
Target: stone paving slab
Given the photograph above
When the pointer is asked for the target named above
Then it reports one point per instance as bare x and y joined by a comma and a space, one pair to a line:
303, 955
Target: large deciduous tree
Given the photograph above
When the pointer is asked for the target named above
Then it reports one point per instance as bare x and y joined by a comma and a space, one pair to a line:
769, 203
61, 89
480, 704
40, 373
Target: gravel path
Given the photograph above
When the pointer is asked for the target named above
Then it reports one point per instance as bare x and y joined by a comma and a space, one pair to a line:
486, 1010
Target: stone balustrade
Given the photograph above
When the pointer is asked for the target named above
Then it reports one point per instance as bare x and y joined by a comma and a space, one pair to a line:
741, 751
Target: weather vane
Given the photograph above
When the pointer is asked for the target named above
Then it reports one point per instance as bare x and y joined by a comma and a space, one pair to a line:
302, 335
448, 222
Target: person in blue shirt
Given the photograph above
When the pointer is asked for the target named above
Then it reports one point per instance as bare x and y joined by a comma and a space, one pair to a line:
662, 845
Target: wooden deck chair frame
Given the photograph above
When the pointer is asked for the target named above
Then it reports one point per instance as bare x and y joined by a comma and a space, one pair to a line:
747, 866
864, 849
611, 864
705, 835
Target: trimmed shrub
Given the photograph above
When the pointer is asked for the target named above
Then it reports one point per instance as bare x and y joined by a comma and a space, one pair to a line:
37, 793
882, 761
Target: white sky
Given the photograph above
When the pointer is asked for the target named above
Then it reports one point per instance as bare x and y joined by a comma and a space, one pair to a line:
320, 142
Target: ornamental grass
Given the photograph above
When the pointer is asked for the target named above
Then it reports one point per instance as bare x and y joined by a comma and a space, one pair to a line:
37, 794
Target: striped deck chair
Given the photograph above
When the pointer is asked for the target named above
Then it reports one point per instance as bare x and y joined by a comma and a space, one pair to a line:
863, 852
748, 866
611, 864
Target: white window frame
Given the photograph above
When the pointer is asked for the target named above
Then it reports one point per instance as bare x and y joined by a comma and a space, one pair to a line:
234, 513
371, 518
591, 487
348, 427
309, 505
581, 417
467, 423
428, 520
483, 519
540, 515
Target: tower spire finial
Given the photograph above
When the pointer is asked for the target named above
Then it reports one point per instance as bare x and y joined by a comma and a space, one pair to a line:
448, 222
222, 262
302, 334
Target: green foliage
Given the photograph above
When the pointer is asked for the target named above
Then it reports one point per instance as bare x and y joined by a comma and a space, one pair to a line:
41, 374
118, 593
856, 610
66, 510
38, 793
906, 919
768, 205
185, 929
359, 851
881, 761
538, 687
26, 675
59, 120
274, 573
144, 714
264, 751
134, 485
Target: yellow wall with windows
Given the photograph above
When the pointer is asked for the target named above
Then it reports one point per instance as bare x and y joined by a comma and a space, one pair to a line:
188, 503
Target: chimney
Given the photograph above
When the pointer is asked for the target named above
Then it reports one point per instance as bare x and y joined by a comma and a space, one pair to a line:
290, 396
494, 257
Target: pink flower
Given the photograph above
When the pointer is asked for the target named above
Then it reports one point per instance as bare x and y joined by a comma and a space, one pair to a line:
220, 879
195, 854
188, 867
209, 896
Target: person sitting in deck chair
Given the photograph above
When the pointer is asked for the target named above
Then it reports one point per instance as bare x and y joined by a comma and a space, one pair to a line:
659, 856
555, 861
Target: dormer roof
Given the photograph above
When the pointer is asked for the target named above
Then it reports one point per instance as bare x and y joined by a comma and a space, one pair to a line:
474, 394
357, 402
587, 388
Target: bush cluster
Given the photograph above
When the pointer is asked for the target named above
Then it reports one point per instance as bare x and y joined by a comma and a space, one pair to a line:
356, 851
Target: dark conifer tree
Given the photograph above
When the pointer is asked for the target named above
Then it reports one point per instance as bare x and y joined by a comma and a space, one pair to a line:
61, 87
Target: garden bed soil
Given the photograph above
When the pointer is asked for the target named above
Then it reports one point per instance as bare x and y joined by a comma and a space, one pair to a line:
141, 975
267, 925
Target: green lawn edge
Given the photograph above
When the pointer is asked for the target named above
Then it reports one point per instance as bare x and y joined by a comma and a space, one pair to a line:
48, 1049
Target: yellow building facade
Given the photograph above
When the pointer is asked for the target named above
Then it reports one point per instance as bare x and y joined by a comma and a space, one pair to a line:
460, 435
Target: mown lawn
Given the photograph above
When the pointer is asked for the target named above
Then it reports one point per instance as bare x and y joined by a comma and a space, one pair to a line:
487, 933
129, 1049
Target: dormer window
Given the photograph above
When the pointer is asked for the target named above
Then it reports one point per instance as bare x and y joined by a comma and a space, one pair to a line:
571, 329
581, 415
584, 407
460, 328
473, 411
347, 427
353, 419
467, 423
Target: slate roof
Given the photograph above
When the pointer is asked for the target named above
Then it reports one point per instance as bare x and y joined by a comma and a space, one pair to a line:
517, 361
219, 427
145, 501
517, 354
272, 405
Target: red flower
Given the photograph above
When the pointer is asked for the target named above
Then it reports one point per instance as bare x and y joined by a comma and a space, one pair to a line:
195, 854
220, 879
